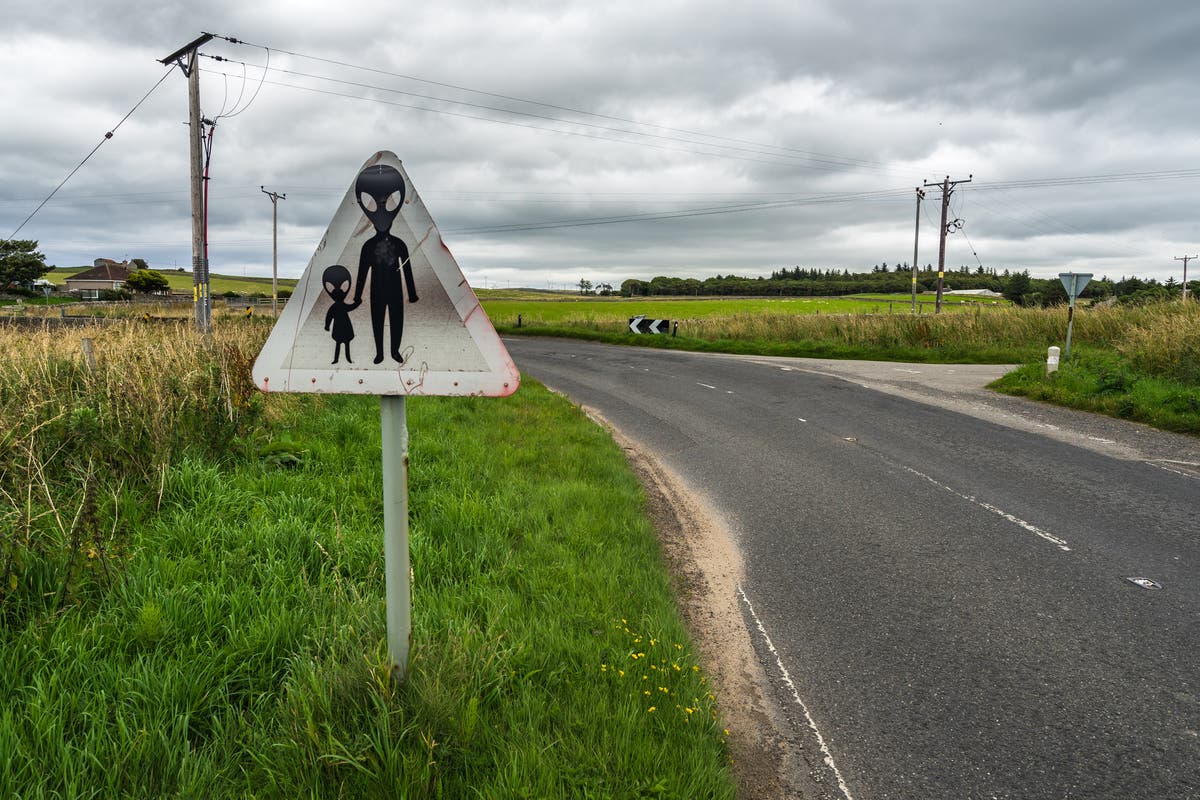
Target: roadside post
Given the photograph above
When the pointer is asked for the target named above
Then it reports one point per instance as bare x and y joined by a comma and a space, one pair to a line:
383, 280
1074, 283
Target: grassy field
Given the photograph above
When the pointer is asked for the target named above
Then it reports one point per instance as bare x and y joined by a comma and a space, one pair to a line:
614, 313
182, 281
192, 595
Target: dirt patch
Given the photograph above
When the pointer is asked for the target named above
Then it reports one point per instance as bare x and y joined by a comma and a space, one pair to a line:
706, 569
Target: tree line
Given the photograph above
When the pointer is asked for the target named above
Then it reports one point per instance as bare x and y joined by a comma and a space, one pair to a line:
1017, 286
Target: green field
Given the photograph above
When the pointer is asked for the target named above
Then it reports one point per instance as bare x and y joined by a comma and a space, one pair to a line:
578, 311
182, 281
192, 594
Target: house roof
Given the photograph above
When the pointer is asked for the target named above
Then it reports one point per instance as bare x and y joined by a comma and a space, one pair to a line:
105, 272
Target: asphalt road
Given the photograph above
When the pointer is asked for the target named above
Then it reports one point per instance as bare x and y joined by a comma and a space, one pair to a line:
946, 592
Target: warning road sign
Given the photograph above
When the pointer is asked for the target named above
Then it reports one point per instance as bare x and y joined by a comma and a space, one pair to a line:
382, 307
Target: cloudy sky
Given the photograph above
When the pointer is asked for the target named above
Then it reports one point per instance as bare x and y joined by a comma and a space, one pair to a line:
560, 140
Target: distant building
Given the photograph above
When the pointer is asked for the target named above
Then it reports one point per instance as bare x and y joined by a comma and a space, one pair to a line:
106, 275
974, 292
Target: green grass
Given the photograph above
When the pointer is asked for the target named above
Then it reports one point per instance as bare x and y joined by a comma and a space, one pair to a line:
1105, 382
240, 652
579, 311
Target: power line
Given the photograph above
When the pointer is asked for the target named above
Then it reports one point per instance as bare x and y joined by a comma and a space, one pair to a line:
818, 164
845, 160
107, 136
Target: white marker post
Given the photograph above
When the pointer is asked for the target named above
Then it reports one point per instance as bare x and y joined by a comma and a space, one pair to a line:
383, 309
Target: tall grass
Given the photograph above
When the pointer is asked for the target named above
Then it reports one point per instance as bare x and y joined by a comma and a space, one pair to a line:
85, 446
1135, 363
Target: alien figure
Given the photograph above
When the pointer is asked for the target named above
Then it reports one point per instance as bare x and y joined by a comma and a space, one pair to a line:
380, 193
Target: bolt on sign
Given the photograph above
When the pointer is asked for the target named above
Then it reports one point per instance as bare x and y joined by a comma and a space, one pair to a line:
383, 308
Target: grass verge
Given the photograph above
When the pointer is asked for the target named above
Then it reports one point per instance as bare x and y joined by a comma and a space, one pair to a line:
1112, 384
240, 649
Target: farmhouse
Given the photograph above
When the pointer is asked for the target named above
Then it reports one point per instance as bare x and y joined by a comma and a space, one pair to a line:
106, 274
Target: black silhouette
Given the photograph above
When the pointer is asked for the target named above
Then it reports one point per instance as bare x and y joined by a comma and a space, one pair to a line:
380, 193
336, 280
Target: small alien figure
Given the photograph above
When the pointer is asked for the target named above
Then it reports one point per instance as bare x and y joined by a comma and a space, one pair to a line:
336, 280
380, 193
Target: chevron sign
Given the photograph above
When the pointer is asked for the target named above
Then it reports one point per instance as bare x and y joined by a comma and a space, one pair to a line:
640, 324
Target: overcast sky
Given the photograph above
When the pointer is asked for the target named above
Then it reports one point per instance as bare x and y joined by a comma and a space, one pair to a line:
806, 125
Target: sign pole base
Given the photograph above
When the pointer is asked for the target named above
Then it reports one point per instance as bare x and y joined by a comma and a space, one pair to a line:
395, 531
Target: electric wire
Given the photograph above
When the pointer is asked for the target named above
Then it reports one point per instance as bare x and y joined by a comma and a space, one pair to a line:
848, 161
512, 123
257, 89
818, 164
106, 137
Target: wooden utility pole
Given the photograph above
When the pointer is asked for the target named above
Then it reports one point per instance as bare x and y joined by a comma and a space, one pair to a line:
916, 238
947, 187
201, 299
1185, 259
275, 198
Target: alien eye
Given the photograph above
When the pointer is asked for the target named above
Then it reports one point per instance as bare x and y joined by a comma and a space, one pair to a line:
345, 286
393, 201
367, 201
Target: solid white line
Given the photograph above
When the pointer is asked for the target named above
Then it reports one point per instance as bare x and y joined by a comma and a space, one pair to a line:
1029, 526
796, 696
705, 385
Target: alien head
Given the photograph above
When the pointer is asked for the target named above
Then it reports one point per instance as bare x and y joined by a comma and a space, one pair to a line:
336, 280
380, 193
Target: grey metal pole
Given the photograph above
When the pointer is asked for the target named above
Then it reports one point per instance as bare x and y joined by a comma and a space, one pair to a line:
395, 531
1071, 313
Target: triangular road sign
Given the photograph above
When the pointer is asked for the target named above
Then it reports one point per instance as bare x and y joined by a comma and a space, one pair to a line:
382, 307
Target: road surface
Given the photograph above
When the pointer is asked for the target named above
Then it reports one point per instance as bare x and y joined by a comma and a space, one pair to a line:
938, 582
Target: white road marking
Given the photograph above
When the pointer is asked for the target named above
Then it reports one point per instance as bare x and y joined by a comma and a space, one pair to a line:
910, 371
1029, 526
728, 391
787, 679
1172, 471
1102, 441
802, 419
705, 385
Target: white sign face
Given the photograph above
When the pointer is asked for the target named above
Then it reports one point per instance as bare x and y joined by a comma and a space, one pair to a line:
1074, 283
383, 308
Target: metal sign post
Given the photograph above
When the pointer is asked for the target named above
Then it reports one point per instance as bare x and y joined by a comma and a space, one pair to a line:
1074, 283
395, 531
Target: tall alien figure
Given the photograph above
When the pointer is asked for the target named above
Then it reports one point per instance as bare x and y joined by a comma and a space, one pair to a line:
380, 193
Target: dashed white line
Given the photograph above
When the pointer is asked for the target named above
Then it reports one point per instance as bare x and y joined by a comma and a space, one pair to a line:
1029, 526
802, 419
1172, 471
787, 679
1102, 441
705, 385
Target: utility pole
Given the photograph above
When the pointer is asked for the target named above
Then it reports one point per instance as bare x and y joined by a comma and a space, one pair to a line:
275, 198
1185, 259
201, 299
947, 187
916, 238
